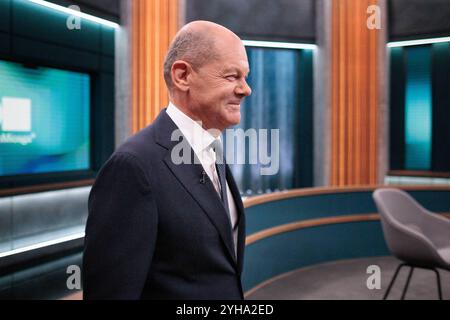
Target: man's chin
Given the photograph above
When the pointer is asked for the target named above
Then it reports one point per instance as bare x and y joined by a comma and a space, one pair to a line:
234, 120
232, 116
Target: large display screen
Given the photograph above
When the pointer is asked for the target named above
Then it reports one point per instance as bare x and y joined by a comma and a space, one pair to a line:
44, 120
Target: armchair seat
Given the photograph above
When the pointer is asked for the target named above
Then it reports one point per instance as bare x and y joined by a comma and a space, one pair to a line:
445, 254
418, 237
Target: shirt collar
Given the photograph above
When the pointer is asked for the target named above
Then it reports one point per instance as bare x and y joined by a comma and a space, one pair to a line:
199, 139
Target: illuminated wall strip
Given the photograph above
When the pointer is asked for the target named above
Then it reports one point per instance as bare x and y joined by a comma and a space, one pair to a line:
354, 106
281, 45
76, 13
417, 42
418, 109
155, 23
44, 244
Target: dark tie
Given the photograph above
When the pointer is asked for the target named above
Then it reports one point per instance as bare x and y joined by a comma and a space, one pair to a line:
221, 172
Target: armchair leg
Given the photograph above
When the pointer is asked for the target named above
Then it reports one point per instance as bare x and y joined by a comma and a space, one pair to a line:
393, 280
407, 283
438, 278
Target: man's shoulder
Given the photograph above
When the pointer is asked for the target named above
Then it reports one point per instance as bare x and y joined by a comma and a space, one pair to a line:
149, 145
141, 146
145, 140
138, 142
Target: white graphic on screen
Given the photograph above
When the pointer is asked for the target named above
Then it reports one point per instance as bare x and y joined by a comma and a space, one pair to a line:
15, 121
15, 114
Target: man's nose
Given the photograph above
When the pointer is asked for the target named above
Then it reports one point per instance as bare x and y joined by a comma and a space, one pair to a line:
243, 89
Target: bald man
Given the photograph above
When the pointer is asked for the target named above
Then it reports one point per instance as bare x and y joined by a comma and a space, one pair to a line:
159, 228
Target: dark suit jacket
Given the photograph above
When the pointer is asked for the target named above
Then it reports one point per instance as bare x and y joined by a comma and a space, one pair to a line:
155, 230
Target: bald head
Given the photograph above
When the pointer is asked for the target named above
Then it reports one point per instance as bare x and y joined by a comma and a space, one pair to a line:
196, 43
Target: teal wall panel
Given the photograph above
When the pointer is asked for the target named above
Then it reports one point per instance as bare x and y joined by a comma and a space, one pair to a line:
304, 168
441, 107
53, 54
285, 252
107, 64
4, 15
107, 41
308, 207
4, 43
273, 213
397, 109
41, 23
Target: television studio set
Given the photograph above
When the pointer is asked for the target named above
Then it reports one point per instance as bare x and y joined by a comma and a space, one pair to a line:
224, 150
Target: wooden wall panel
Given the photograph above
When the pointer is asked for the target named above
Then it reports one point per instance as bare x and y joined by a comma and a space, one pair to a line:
155, 23
355, 91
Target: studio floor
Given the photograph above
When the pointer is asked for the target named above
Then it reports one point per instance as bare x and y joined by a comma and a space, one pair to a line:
347, 280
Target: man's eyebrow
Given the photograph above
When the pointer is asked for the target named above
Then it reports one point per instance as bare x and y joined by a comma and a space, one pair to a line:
230, 69
237, 70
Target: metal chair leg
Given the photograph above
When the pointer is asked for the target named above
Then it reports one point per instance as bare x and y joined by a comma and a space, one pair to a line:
438, 278
393, 280
407, 283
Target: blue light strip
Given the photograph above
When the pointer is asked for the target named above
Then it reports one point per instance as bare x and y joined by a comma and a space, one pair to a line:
282, 45
76, 13
417, 42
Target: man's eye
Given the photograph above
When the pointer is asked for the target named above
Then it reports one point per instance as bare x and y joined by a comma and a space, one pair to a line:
231, 77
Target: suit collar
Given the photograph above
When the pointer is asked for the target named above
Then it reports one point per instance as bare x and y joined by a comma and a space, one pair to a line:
198, 138
164, 127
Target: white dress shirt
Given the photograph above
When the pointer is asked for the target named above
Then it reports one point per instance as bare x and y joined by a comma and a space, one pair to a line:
201, 140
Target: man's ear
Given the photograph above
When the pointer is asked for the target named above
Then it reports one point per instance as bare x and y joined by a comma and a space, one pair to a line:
181, 70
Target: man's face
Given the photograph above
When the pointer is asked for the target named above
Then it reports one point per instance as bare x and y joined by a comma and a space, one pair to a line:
218, 87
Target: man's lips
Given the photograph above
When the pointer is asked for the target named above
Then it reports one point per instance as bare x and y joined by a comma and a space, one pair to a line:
234, 107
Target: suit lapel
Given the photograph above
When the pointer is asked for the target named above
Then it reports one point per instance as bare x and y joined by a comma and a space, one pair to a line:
189, 175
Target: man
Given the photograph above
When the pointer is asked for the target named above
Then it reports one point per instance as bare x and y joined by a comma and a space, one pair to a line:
161, 230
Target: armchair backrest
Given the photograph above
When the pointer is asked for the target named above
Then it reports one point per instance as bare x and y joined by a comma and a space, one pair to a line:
402, 220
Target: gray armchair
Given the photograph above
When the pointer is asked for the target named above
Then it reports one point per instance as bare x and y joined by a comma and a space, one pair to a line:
418, 237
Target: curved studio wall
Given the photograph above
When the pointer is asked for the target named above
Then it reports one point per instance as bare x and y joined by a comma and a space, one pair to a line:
299, 228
